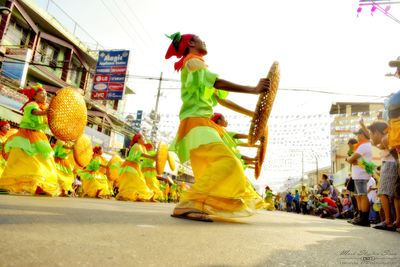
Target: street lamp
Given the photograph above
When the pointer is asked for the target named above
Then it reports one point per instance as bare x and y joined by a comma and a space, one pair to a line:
5, 10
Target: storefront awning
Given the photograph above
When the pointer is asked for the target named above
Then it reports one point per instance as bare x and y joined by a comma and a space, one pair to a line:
10, 114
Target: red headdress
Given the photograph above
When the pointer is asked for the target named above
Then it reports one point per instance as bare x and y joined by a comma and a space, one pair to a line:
31, 92
2, 123
148, 146
135, 138
97, 149
178, 47
216, 117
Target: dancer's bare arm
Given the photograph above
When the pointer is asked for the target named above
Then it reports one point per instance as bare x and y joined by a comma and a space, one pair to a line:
232, 105
225, 85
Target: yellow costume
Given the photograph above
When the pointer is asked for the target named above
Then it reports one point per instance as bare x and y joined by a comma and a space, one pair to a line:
94, 182
269, 200
3, 138
113, 172
150, 175
65, 167
132, 185
220, 186
30, 165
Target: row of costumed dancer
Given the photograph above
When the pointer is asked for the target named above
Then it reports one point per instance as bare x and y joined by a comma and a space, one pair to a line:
220, 190
29, 164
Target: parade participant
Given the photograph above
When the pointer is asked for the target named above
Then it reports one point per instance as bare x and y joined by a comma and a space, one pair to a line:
150, 173
163, 187
220, 186
174, 193
4, 130
269, 199
98, 153
231, 139
132, 185
94, 181
181, 190
63, 158
360, 174
30, 165
167, 191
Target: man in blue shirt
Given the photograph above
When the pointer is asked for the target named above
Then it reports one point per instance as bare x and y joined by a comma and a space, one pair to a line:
289, 199
297, 201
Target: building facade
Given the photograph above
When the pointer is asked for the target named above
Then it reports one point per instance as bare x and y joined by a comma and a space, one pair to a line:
36, 48
346, 121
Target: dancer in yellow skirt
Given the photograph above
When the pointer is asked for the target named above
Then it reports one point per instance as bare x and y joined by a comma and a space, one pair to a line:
163, 188
220, 187
132, 185
150, 174
231, 139
4, 130
65, 167
30, 165
269, 199
98, 153
94, 181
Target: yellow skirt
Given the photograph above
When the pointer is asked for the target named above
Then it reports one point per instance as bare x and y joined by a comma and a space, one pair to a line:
2, 167
111, 187
132, 185
65, 181
220, 187
154, 185
269, 205
95, 187
27, 173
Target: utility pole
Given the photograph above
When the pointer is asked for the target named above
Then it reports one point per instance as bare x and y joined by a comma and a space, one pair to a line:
316, 169
302, 167
158, 93
155, 116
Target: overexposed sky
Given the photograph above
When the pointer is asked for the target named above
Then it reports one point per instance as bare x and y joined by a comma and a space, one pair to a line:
320, 45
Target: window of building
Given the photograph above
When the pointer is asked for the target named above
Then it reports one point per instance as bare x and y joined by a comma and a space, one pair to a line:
47, 53
75, 70
16, 34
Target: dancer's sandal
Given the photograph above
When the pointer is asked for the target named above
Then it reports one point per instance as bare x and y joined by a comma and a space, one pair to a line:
204, 217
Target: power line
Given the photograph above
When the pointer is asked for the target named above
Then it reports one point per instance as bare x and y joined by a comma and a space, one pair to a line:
80, 69
127, 32
137, 18
129, 22
304, 90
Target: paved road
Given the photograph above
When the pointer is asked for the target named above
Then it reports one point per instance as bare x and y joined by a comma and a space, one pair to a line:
37, 231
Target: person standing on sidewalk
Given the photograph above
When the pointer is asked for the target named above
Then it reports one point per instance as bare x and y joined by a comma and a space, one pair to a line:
362, 153
289, 200
388, 174
297, 201
303, 200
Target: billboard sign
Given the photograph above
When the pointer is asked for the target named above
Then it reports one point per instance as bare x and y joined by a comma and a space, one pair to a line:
15, 65
110, 75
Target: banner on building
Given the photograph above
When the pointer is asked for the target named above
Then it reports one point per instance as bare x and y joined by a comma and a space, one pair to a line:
15, 65
110, 75
98, 138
